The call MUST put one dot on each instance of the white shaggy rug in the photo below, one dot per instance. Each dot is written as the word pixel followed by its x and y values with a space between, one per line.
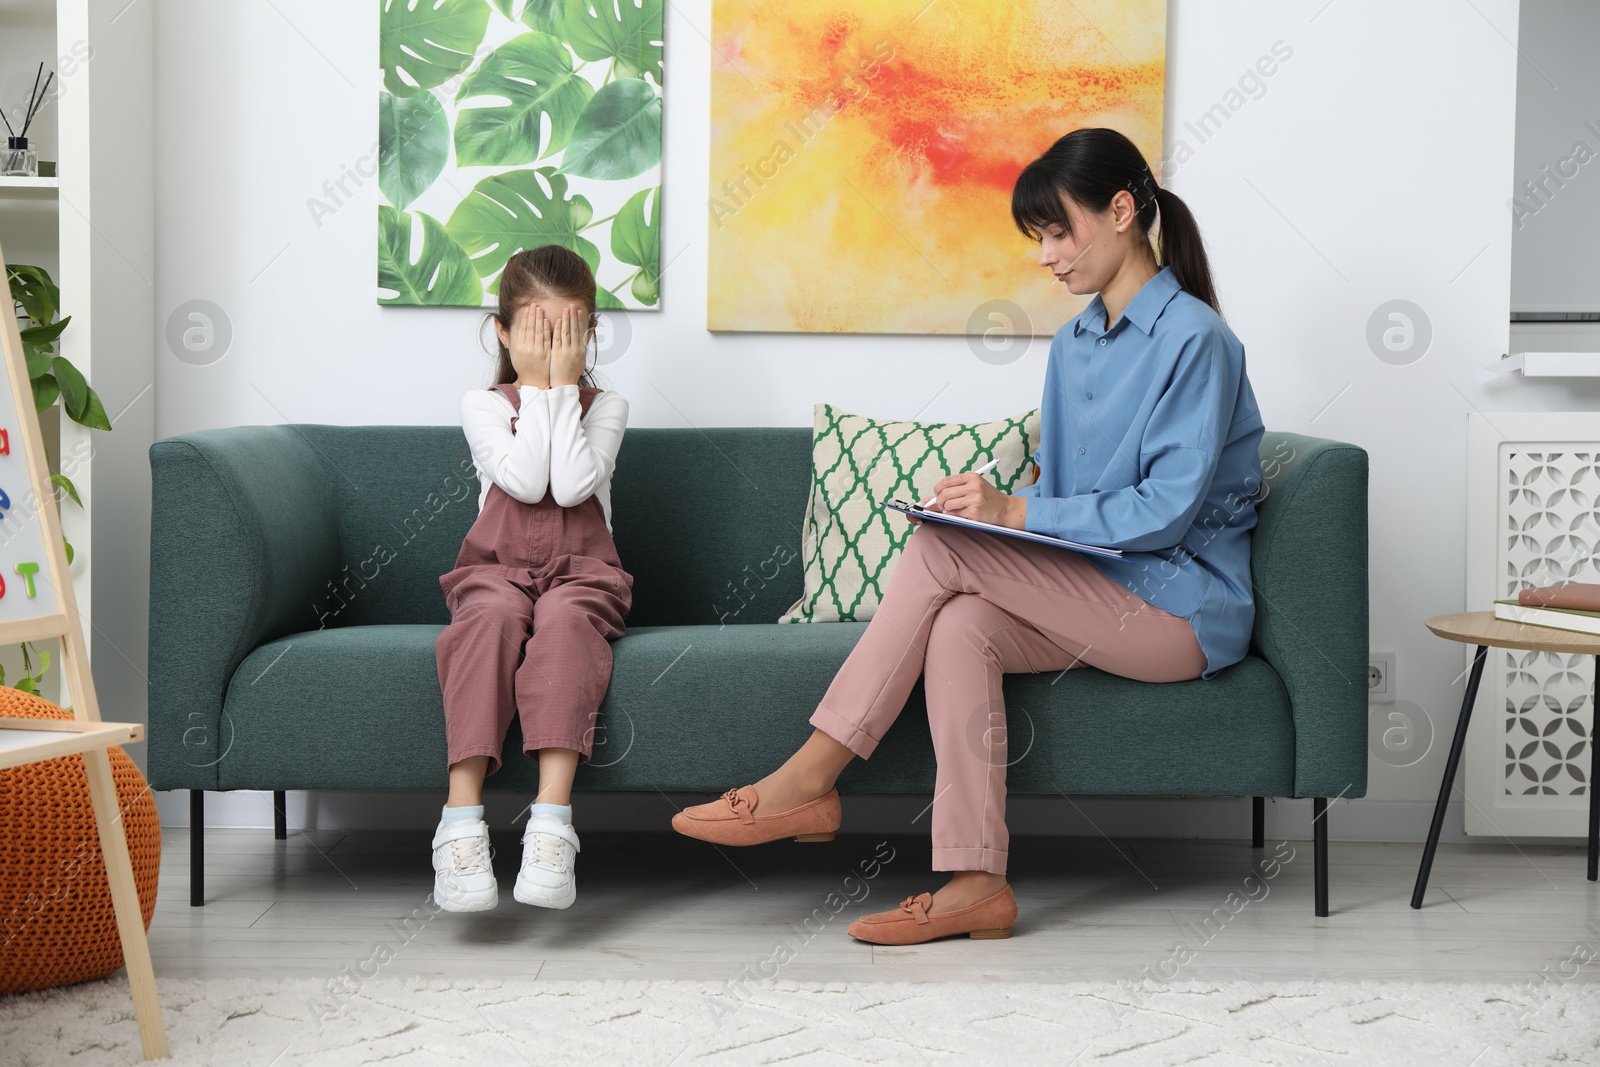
pixel 419 1021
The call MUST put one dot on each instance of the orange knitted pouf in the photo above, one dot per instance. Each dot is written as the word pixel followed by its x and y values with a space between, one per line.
pixel 57 926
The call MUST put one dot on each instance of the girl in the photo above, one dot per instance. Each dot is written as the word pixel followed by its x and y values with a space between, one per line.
pixel 1149 443
pixel 537 592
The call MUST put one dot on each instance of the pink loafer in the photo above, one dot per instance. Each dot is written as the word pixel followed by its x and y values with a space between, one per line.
pixel 910 924
pixel 735 819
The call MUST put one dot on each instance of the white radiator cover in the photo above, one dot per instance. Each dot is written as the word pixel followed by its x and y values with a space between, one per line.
pixel 1533 518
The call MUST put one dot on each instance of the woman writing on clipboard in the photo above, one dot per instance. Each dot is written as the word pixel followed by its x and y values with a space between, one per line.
pixel 1149 443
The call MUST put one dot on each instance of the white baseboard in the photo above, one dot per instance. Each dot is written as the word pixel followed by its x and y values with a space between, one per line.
pixel 1219 818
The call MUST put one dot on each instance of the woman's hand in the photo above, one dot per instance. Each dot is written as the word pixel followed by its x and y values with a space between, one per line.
pixel 529 342
pixel 569 346
pixel 968 496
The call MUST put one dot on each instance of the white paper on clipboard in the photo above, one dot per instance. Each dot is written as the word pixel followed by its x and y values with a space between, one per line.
pixel 918 511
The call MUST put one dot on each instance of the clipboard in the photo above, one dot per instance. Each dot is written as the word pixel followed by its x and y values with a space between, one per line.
pixel 919 512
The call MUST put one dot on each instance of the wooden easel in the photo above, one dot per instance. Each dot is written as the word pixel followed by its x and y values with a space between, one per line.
pixel 37 602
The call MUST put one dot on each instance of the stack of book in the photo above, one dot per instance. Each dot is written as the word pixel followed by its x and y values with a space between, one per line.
pixel 1572 606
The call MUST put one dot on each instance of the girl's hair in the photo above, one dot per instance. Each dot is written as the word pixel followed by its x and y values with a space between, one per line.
pixel 549 270
pixel 1091 166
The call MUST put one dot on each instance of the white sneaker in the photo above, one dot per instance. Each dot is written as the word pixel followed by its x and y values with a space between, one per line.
pixel 549 854
pixel 463 877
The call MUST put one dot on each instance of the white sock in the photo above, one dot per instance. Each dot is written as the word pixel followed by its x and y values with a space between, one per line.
pixel 462 814
pixel 560 811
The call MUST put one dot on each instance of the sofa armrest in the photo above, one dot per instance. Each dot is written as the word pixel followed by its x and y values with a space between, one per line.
pixel 243 539
pixel 1309 569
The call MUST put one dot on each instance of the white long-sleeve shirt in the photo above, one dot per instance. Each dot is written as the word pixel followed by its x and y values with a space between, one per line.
pixel 555 449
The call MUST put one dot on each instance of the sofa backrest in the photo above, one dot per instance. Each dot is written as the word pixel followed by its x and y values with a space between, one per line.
pixel 708 522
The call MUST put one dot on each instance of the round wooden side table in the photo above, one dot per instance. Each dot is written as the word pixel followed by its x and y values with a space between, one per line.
pixel 1482 629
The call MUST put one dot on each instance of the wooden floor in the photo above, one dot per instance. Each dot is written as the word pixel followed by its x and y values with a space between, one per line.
pixel 658 906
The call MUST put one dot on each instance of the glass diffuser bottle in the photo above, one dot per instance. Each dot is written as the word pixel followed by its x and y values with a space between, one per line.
pixel 19 160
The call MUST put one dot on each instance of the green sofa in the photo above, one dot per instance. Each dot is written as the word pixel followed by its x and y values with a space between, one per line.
pixel 295 601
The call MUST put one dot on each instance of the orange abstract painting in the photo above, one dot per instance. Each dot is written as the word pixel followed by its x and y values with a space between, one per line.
pixel 863 152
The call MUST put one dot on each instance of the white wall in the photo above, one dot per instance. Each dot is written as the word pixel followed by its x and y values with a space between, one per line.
pixel 1374 166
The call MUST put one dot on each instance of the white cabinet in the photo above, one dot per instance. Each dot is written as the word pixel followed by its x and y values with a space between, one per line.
pixel 1532 485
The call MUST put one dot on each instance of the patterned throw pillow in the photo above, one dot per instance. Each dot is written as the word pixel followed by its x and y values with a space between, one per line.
pixel 857 464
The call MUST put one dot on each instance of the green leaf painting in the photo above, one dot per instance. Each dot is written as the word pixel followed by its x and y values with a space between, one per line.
pixel 619 133
pixel 623 30
pixel 534 74
pixel 635 241
pixel 541 15
pixel 413 145
pixel 521 209
pixel 423 43
pixel 509 124
pixel 435 272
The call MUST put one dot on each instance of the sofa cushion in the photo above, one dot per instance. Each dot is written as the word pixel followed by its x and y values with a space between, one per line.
pixel 697 708
pixel 858 465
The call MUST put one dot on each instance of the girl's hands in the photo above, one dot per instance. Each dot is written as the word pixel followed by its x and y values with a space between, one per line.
pixel 969 496
pixel 529 342
pixel 547 352
pixel 569 346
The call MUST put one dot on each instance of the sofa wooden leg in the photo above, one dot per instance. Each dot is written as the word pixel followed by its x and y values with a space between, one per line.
pixel 280 815
pixel 197 848
pixel 1319 829
pixel 1258 822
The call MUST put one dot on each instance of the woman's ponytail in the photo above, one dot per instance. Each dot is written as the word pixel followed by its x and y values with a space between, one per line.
pixel 1091 166
pixel 1182 249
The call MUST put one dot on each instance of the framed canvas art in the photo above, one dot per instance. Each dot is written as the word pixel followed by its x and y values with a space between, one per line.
pixel 509 124
pixel 863 152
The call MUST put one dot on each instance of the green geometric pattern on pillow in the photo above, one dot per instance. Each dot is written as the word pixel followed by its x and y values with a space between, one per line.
pixel 858 464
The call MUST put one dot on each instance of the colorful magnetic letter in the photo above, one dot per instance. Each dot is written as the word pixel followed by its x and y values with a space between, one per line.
pixel 28 570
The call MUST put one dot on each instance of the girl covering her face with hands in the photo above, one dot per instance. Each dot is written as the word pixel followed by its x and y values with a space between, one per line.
pixel 537 593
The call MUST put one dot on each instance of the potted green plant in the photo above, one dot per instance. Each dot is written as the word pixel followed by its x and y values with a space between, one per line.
pixel 36 302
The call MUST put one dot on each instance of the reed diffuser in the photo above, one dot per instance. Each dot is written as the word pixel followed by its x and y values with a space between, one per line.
pixel 19 160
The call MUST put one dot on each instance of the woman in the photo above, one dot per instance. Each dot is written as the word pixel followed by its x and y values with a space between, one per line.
pixel 1149 443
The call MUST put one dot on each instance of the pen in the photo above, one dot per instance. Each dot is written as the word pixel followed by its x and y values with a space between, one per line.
pixel 985 469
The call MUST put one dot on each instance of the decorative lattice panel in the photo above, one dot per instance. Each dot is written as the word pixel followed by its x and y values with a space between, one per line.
pixel 1550 509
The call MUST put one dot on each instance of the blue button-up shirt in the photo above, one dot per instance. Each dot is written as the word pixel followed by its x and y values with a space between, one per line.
pixel 1149 442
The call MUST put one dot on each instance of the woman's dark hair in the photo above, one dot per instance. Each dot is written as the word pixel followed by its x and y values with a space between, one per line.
pixel 1091 166
pixel 549 270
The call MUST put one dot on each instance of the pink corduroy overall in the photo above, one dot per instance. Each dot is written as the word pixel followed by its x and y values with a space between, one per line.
pixel 536 597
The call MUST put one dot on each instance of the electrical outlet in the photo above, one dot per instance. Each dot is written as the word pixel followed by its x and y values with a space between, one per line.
pixel 1380 678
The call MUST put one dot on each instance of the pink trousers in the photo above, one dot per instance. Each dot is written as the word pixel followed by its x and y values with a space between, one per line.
pixel 962 609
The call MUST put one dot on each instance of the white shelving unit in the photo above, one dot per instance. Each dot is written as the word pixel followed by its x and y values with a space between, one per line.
pixel 29 189
pixel 1558 364
pixel 1544 365
pixel 99 130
